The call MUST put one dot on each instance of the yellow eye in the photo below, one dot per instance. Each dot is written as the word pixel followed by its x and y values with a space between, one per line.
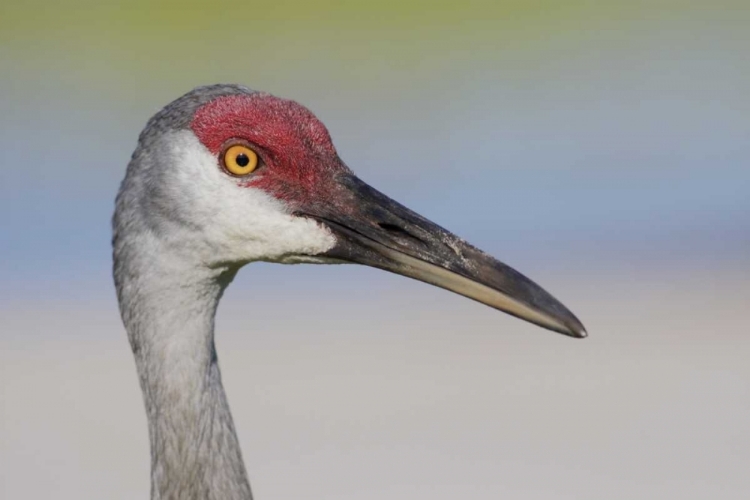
pixel 239 160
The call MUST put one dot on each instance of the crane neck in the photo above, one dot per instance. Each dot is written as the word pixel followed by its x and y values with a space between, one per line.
pixel 168 305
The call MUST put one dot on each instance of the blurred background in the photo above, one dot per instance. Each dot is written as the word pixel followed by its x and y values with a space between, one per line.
pixel 602 148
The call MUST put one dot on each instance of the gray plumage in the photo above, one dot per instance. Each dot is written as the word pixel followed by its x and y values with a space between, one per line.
pixel 168 302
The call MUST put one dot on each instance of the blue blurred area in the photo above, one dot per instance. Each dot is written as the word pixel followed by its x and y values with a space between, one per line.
pixel 587 164
pixel 624 144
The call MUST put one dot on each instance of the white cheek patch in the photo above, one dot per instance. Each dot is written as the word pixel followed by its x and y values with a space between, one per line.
pixel 237 223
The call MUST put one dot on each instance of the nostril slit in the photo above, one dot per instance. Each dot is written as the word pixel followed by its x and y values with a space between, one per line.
pixel 393 228
pixel 399 231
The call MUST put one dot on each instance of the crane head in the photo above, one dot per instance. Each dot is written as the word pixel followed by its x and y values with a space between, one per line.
pixel 230 176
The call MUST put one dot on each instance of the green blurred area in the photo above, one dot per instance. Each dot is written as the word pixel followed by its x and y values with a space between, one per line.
pixel 130 43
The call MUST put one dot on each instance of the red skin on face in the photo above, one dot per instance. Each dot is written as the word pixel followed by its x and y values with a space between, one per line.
pixel 300 160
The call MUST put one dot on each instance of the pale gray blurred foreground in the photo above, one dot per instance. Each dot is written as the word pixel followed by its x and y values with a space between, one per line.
pixel 408 392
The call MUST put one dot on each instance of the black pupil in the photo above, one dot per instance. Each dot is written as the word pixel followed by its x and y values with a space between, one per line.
pixel 242 160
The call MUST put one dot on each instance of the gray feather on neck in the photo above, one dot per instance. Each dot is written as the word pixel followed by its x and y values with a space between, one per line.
pixel 168 304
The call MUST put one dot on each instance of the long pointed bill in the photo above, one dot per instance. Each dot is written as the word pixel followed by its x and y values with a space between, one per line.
pixel 376 231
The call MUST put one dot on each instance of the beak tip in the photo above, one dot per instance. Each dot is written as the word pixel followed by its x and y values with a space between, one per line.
pixel 577 331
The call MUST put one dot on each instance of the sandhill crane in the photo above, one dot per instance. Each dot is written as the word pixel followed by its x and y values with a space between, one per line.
pixel 224 176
